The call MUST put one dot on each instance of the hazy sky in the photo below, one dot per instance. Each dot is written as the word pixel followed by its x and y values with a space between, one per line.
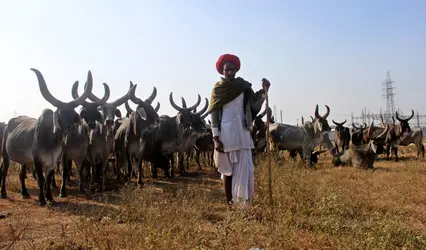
pixel 313 52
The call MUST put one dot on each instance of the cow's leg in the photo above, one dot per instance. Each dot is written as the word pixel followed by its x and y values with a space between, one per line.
pixel 54 186
pixel 49 196
pixel 172 164
pixel 395 152
pixel 197 159
pixel 38 167
pixel 139 164
pixel 180 162
pixel 336 146
pixel 5 168
pixel 93 176
pixel 120 160
pixel 22 176
pixel 33 172
pixel 188 156
pixel 388 150
pixel 65 172
pixel 81 178
pixel 129 168
pixel 422 151
pixel 104 182
pixel 307 156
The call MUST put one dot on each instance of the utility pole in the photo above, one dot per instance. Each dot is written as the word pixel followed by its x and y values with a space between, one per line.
pixel 281 116
pixel 388 94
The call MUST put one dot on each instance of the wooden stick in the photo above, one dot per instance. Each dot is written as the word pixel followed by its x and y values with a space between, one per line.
pixel 268 153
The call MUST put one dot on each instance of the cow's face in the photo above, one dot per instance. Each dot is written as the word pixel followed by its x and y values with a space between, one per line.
pixel 109 112
pixel 90 111
pixel 90 114
pixel 321 123
pixel 66 118
pixel 358 133
pixel 403 123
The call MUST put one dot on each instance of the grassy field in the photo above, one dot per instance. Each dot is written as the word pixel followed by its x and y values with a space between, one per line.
pixel 321 208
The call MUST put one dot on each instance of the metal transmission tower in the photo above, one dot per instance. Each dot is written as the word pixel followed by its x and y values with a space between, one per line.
pixel 274 111
pixel 388 94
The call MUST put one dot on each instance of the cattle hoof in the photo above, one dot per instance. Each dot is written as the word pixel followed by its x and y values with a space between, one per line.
pixel 41 203
pixel 25 195
pixel 4 196
pixel 51 203
pixel 63 195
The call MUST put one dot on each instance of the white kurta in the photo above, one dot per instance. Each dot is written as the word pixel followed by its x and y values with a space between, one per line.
pixel 237 144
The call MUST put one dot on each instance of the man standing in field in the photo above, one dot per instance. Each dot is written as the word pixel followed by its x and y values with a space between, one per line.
pixel 233 105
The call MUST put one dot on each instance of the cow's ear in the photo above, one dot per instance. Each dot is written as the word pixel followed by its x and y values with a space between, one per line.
pixel 118 113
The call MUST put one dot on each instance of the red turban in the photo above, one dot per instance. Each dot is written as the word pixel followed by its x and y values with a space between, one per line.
pixel 227 58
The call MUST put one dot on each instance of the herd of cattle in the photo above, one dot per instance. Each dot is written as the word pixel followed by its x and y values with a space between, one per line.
pixel 98 135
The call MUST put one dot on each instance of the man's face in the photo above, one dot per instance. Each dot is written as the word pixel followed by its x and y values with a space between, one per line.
pixel 229 70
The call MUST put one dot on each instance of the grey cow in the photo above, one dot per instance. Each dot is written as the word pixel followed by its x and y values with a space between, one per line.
pixel 409 135
pixel 191 140
pixel 77 144
pixel 168 135
pixel 305 138
pixel 343 136
pixel 129 133
pixel 101 138
pixel 362 155
pixel 39 141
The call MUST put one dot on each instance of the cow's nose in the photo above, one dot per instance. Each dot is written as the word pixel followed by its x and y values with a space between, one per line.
pixel 109 122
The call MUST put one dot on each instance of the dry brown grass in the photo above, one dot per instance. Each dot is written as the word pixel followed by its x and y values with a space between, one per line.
pixel 322 208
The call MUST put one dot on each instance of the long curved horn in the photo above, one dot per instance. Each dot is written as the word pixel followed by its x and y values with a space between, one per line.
pixel 261 115
pixel 151 98
pixel 205 115
pixel 303 120
pixel 203 109
pixel 316 112
pixel 381 119
pixel 312 118
pixel 99 102
pixel 327 113
pixel 132 96
pixel 353 125
pixel 124 98
pixel 157 107
pixel 370 131
pixel 383 133
pixel 393 120
pixel 338 123
pixel 365 126
pixel 412 114
pixel 183 103
pixel 87 90
pixel 128 108
pixel 74 91
pixel 196 104
pixel 45 91
pixel 179 109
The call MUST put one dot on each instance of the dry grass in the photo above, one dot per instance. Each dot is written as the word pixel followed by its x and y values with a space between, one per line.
pixel 322 208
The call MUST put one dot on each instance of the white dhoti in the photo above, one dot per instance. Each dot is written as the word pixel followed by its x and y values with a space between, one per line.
pixel 239 164
pixel 237 145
